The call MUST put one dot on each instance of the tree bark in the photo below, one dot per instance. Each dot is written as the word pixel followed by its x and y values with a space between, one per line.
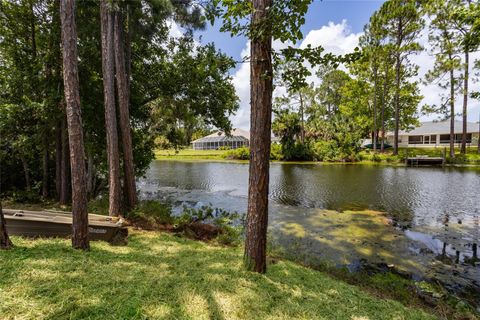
pixel 5 242
pixel 302 119
pixel 261 87
pixel 114 187
pixel 374 106
pixel 75 132
pixel 463 149
pixel 58 159
pixel 64 165
pixel 45 160
pixel 397 103
pixel 26 173
pixel 452 114
pixel 382 115
pixel 124 114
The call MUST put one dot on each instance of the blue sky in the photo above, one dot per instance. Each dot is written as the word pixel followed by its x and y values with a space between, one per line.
pixel 356 12
pixel 336 25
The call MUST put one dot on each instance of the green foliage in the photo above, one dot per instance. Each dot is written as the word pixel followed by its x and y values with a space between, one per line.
pixel 161 71
pixel 242 153
pixel 193 91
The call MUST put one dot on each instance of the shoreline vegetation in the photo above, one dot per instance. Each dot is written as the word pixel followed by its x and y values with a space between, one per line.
pixel 156 249
pixel 472 158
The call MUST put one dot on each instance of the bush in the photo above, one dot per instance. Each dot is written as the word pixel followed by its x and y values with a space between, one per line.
pixel 152 212
pixel 325 151
pixel 224 148
pixel 242 153
pixel 276 152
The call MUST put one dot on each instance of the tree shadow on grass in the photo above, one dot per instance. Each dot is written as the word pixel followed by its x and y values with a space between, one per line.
pixel 161 276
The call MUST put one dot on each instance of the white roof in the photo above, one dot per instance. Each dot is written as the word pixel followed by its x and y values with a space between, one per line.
pixel 438 127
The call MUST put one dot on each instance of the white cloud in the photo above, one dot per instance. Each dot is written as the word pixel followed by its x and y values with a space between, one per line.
pixel 335 38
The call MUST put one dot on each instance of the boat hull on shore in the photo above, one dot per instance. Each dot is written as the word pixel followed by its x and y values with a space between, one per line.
pixel 47 224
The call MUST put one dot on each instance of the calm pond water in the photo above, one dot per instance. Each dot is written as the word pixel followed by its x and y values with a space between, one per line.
pixel 430 226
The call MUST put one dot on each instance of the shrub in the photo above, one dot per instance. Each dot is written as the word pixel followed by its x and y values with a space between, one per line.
pixel 325 150
pixel 276 152
pixel 242 153
pixel 224 148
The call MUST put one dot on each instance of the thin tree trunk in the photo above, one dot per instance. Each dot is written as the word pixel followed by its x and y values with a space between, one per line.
pixel 452 114
pixel 397 103
pixel 64 165
pixel 375 107
pixel 261 87
pixel 463 149
pixel 5 242
pixel 45 159
pixel 302 119
pixel 75 132
pixel 58 159
pixel 382 115
pixel 114 187
pixel 90 175
pixel 26 173
pixel 124 114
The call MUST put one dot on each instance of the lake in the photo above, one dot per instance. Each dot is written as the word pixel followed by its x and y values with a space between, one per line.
pixel 424 221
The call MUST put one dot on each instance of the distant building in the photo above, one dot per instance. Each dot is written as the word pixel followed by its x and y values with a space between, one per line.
pixel 435 134
pixel 237 138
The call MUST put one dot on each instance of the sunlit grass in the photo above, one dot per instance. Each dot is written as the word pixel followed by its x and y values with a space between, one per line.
pixel 189 154
pixel 161 276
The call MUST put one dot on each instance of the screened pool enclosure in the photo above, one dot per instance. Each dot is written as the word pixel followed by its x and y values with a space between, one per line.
pixel 237 138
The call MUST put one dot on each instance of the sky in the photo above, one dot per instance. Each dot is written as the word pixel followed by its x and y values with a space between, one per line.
pixel 336 25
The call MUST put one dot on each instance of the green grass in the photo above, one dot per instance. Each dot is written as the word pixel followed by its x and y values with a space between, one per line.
pixel 366 157
pixel 161 276
pixel 471 157
pixel 189 154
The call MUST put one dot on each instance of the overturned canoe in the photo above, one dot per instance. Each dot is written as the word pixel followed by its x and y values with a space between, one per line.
pixel 59 224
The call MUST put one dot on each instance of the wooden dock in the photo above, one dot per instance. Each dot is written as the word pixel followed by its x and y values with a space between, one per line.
pixel 425 161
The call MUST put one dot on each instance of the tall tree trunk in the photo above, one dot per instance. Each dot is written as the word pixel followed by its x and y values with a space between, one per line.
pixel 65 181
pixel 261 87
pixel 124 114
pixel 463 149
pixel 45 160
pixel 114 187
pixel 382 115
pixel 26 173
pixel 58 159
pixel 75 131
pixel 452 114
pixel 375 107
pixel 397 102
pixel 302 119
pixel 5 242
pixel 90 175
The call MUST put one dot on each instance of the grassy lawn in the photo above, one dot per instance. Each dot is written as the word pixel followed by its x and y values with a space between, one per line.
pixel 189 154
pixel 159 275
pixel 471 157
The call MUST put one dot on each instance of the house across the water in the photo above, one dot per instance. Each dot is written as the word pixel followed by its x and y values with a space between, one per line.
pixel 435 134
pixel 236 139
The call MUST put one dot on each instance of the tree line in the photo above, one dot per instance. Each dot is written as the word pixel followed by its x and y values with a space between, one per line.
pixel 87 86
pixel 379 91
